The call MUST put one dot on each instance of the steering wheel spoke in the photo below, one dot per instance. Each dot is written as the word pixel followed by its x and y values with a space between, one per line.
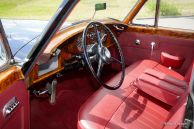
pixel 99 41
pixel 114 60
pixel 100 67
pixel 103 38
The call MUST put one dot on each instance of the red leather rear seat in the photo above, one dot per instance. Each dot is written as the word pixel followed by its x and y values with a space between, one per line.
pixel 126 107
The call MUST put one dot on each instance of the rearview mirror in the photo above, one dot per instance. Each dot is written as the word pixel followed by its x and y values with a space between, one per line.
pixel 100 6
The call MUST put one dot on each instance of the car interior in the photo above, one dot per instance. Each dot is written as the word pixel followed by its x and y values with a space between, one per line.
pixel 112 75
pixel 154 91
pixel 138 79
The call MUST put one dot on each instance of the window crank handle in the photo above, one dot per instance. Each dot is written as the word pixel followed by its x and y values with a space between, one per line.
pixel 153 44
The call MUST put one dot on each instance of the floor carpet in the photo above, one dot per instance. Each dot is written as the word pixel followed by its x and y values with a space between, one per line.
pixel 72 92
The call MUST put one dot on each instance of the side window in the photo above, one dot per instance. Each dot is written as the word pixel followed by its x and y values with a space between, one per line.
pixel 3 57
pixel 177 14
pixel 146 16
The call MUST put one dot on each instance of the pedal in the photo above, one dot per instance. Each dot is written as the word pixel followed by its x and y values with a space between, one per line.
pixel 40 92
pixel 52 90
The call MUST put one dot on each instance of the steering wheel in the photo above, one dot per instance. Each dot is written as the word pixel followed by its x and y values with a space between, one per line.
pixel 100 54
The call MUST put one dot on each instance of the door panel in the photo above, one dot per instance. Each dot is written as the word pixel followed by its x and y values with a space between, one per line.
pixel 176 43
pixel 12 86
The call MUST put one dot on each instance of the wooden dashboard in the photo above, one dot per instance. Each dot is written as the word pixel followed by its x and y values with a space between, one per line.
pixel 69 43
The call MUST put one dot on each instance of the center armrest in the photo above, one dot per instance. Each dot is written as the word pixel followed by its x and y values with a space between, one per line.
pixel 161 86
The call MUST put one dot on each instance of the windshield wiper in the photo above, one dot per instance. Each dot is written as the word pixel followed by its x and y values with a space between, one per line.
pixel 24 45
pixel 1 55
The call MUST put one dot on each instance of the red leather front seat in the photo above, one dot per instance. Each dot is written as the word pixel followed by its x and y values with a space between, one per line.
pixel 128 107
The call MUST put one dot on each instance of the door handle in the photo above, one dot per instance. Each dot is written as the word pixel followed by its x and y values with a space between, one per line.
pixel 10 106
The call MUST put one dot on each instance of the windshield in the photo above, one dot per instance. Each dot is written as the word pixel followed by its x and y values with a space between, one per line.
pixel 22 34
pixel 116 9
pixel 2 53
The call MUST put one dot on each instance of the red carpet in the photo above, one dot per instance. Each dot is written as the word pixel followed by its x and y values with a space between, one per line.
pixel 72 91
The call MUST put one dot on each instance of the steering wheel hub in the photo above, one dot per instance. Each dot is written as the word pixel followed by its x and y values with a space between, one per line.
pixel 105 54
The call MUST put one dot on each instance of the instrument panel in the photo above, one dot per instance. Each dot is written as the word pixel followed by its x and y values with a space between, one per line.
pixel 70 48
pixel 90 36
pixel 74 44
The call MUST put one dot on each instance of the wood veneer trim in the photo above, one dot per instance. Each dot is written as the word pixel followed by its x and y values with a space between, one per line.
pixel 9 76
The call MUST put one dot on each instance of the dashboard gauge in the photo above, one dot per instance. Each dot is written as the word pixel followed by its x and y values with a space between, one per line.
pixel 91 39
pixel 91 36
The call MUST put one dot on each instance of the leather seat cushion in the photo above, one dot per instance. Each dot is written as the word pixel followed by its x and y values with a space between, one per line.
pixel 126 107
